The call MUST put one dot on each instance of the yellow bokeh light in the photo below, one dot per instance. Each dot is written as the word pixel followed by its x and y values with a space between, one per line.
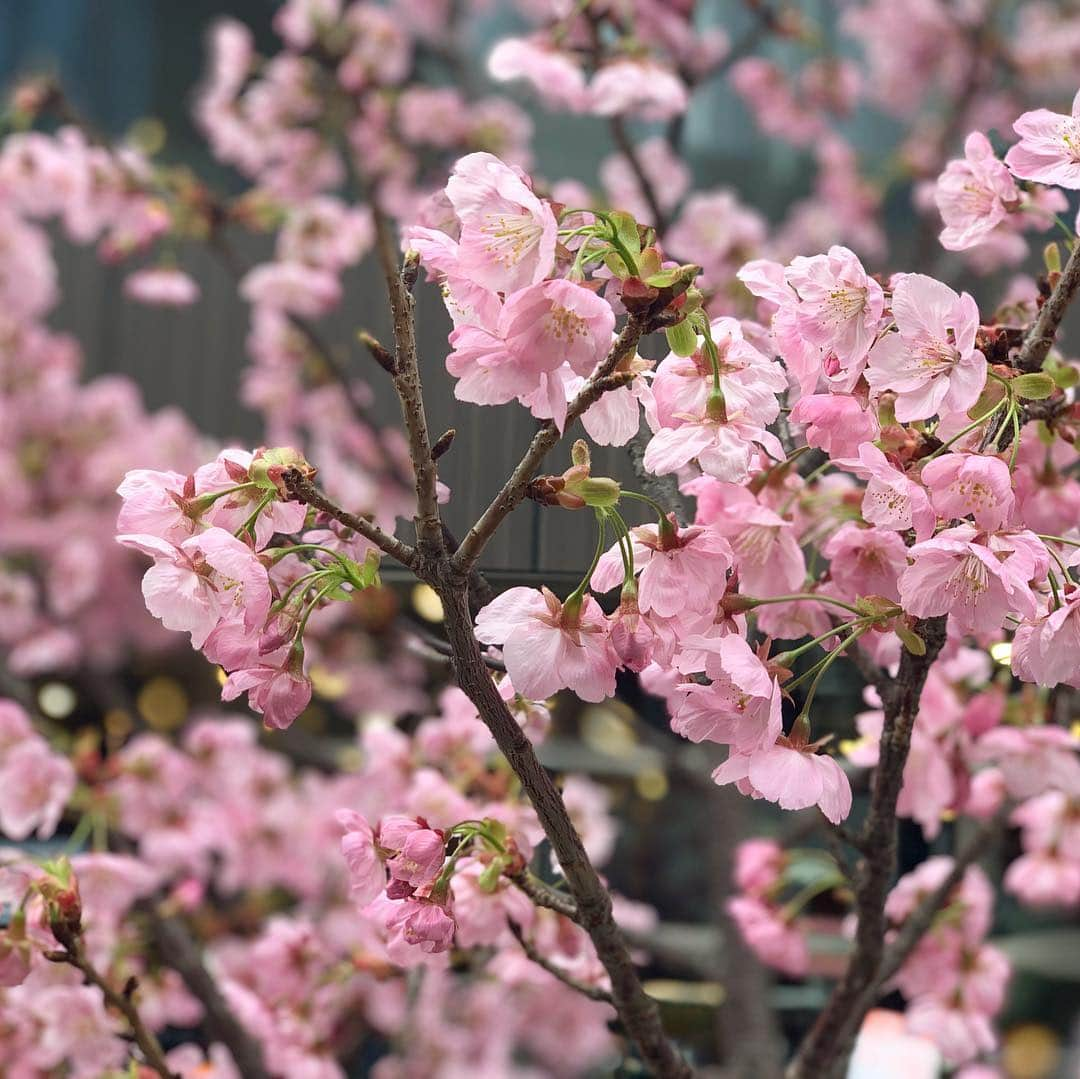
pixel 651 784
pixel 1001 652
pixel 426 603
pixel 57 700
pixel 604 730
pixel 162 703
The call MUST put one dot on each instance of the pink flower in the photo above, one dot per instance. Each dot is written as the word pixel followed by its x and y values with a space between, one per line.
pixel 758 865
pixel 420 859
pixel 508 235
pixel 278 693
pixel 722 446
pixel 161 286
pixel 292 287
pixel 641 87
pixel 556 76
pixel 35 785
pixel 793 777
pixel 865 561
pixel 421 923
pixel 974 195
pixel 773 938
pixel 193 586
pixel 540 328
pixel 976 581
pixel 970 483
pixel 367 876
pixel 961 1033
pixel 481 913
pixel 548 646
pixel 1044 878
pixel 835 423
pixel 1049 147
pixel 892 501
pixel 740 707
pixel 931 362
pixel 1047 651
pixel 839 309
pixel 678 569
pixel 768 557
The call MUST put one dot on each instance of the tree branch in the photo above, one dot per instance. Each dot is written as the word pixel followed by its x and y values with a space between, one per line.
pixel 74 955
pixel 1040 338
pixel 513 490
pixel 301 489
pixel 593 992
pixel 544 895
pixel 639 1013
pixel 825 1050
pixel 178 950
pixel 625 146
pixel 400 279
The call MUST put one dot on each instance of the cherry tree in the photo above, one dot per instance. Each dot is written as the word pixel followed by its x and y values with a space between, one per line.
pixel 840 457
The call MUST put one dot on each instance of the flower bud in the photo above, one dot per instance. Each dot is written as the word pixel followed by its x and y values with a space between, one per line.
pixel 269 466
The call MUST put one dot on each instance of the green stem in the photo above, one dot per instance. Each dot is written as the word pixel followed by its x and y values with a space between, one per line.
pixel 254 516
pixel 819 670
pixel 580 590
pixel 966 431
pixel 802 596
pixel 810 891
pixel 835 631
pixel 807 480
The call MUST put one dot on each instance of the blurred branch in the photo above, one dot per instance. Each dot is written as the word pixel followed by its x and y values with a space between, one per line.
pixel 593 992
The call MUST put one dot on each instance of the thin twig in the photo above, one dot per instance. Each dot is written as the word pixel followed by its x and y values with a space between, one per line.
pixel 544 895
pixel 626 147
pixel 546 437
pixel 400 278
pixel 301 489
pixel 593 992
pixel 123 1002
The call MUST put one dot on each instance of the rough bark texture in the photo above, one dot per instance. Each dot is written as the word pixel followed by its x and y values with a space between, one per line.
pixel 639 1013
pixel 1040 337
pixel 825 1051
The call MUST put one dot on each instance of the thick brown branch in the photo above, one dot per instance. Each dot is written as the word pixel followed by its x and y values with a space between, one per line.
pixel 639 1013
pixel 593 992
pixel 302 489
pixel 1040 337
pixel 513 490
pixel 178 950
pixel 123 1002
pixel 825 1050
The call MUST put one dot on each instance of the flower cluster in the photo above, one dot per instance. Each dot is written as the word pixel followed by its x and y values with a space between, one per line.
pixel 954 980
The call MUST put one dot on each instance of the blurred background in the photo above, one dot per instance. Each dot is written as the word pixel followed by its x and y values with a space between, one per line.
pixel 134 63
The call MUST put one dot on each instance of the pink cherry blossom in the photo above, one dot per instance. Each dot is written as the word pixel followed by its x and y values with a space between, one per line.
pixel 162 286
pixel 292 287
pixel 35 785
pixel 793 777
pixel 556 76
pixel 963 484
pixel 865 561
pixel 507 234
pixel 193 586
pixel 892 501
pixel 774 939
pixel 835 423
pixel 367 876
pixel 839 309
pixel 974 194
pixel 641 87
pixel 676 568
pixel 548 647
pixel 976 581
pixel 1047 651
pixel 1049 147
pixel 279 693
pixel 540 328
pixel 931 362
pixel 758 865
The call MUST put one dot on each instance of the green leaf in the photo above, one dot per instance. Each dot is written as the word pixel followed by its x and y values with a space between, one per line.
pixel 1052 258
pixel 1065 376
pixel 1033 387
pixel 912 641
pixel 681 338
pixel 626 229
